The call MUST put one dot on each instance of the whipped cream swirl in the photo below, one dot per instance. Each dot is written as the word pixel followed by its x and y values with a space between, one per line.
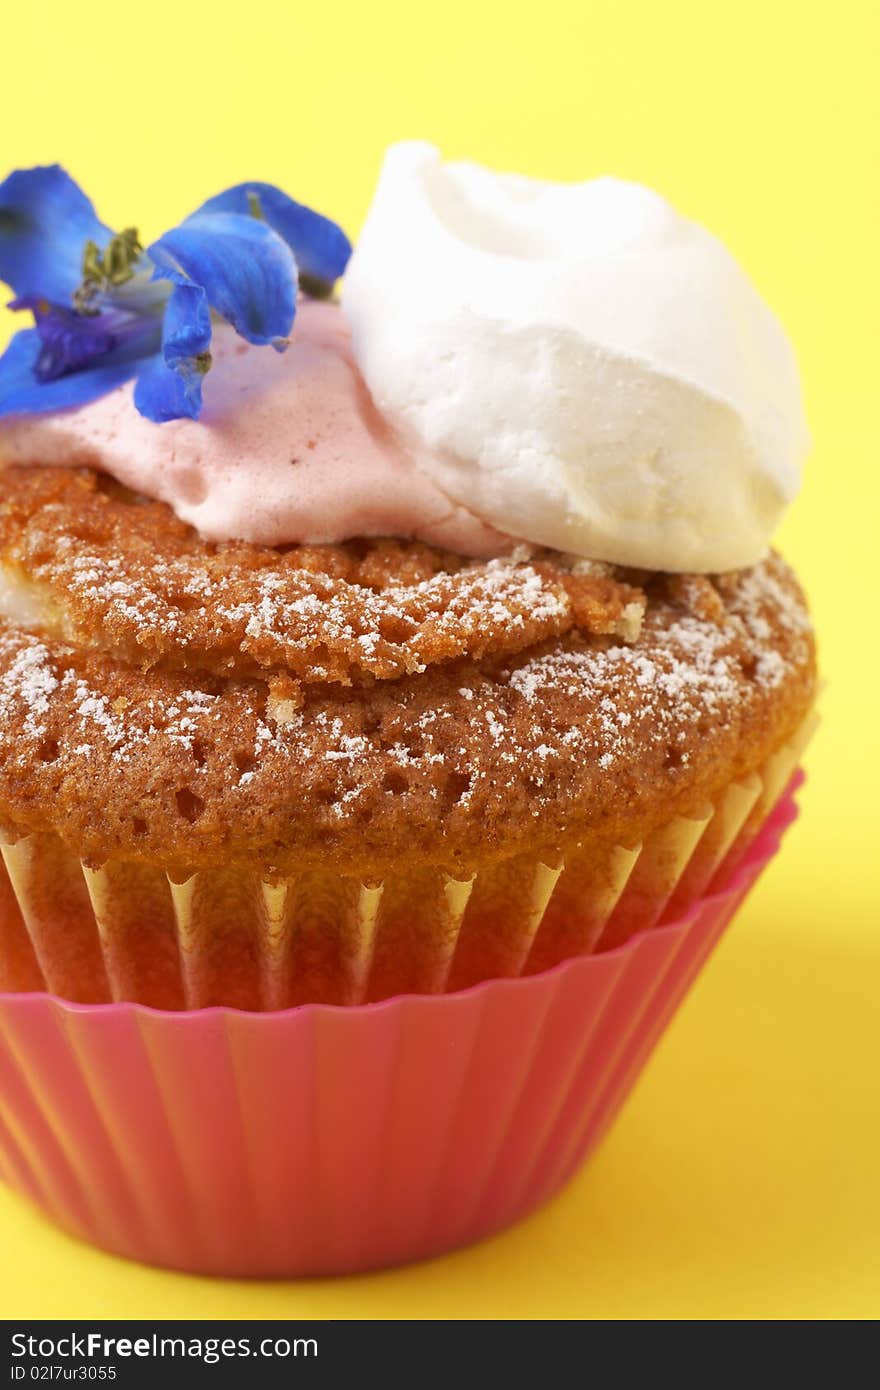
pixel 578 365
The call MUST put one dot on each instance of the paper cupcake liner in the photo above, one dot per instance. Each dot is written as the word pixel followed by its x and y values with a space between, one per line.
pixel 129 932
pixel 326 1140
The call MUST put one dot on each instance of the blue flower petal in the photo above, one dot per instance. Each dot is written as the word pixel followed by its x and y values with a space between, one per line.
pixel 22 394
pixel 70 340
pixel 170 387
pixel 164 393
pixel 223 257
pixel 322 249
pixel 247 272
pixel 45 221
pixel 186 331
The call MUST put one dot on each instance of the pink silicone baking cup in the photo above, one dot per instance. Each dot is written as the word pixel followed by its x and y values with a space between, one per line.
pixel 327 1140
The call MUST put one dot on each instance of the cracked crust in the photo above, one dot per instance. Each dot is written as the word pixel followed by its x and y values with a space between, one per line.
pixel 134 581
pixel 370 705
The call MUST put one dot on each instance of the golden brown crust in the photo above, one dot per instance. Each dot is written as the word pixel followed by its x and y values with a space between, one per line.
pixel 521 731
pixel 134 580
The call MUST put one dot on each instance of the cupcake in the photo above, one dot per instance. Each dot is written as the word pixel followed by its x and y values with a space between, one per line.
pixel 440 648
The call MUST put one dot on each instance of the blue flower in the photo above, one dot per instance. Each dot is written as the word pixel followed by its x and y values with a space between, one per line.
pixel 105 310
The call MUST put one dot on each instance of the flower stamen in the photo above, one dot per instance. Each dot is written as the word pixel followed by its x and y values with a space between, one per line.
pixel 107 269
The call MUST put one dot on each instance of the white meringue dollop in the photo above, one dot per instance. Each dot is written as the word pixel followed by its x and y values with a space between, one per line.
pixel 578 365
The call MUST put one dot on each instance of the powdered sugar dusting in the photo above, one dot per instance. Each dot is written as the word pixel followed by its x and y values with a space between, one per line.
pixel 280 618
pixel 31 682
pixel 566 719
pixel 124 579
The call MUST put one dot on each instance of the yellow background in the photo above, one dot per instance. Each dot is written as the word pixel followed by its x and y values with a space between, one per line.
pixel 742 1179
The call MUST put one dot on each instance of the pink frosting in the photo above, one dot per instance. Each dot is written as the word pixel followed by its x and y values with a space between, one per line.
pixel 289 448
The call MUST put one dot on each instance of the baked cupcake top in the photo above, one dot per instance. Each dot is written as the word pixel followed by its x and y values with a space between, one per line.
pixel 491 568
